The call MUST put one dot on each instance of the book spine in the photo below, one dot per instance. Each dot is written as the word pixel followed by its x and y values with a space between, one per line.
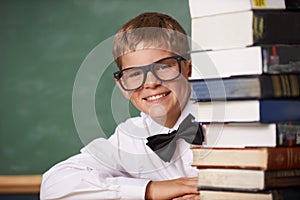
pixel 292 4
pixel 279 111
pixel 288 134
pixel 282 178
pixel 279 86
pixel 286 194
pixel 283 158
pixel 281 59
pixel 276 27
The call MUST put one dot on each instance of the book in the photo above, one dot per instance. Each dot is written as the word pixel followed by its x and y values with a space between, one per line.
pixel 288 134
pixel 201 8
pixel 240 135
pixel 292 4
pixel 247 179
pixel 263 111
pixel 263 158
pixel 246 28
pixel 275 194
pixel 266 86
pixel 263 59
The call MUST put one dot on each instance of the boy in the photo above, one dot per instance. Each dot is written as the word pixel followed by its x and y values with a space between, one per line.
pixel 151 51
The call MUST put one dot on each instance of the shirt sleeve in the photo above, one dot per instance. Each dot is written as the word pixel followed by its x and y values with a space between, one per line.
pixel 83 177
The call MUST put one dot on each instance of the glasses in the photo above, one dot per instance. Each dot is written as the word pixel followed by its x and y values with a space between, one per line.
pixel 166 69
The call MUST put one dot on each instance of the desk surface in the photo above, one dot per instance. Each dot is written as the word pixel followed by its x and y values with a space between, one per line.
pixel 23 184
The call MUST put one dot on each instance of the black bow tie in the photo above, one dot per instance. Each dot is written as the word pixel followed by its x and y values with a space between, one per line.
pixel 164 145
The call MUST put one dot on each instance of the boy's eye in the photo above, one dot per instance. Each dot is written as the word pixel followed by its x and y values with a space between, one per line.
pixel 134 74
pixel 162 67
pixel 165 66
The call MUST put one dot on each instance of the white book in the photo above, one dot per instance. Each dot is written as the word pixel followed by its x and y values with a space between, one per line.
pixel 245 28
pixel 225 63
pixel 263 111
pixel 246 179
pixel 255 60
pixel 240 135
pixel 201 8
pixel 224 31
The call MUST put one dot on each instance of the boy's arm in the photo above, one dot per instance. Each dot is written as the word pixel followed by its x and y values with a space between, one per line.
pixel 68 180
pixel 81 177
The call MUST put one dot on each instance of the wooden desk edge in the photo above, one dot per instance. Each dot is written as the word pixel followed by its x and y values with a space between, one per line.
pixel 20 184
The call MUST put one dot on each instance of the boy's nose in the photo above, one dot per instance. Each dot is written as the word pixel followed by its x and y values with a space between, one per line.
pixel 151 81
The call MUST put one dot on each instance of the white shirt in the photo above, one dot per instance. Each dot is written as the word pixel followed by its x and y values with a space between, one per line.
pixel 120 167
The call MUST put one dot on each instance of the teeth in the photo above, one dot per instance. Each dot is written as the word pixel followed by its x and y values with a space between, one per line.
pixel 156 97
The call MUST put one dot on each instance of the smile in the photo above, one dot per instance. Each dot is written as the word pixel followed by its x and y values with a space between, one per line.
pixel 156 97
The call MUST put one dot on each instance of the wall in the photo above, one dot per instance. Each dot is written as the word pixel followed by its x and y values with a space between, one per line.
pixel 43 44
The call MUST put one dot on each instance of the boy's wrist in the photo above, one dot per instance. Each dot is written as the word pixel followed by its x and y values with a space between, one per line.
pixel 148 192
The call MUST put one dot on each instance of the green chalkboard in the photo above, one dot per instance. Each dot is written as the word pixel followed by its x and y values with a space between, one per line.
pixel 42 46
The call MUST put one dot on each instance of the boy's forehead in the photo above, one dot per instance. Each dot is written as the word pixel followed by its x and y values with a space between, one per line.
pixel 144 56
pixel 144 47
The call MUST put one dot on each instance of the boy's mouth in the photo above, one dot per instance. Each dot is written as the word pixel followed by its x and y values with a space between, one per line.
pixel 156 97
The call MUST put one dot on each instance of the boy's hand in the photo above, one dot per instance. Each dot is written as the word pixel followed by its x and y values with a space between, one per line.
pixel 188 197
pixel 181 188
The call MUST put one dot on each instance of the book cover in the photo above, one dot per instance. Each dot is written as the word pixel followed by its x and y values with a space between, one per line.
pixel 266 86
pixel 263 59
pixel 247 28
pixel 263 111
pixel 263 158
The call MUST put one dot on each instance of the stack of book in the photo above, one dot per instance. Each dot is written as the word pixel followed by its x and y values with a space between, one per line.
pixel 246 84
pixel 248 173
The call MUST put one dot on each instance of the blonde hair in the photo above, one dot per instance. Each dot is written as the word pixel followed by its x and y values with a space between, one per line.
pixel 150 30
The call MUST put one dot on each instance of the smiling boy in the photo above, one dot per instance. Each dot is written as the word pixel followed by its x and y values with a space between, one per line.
pixel 151 52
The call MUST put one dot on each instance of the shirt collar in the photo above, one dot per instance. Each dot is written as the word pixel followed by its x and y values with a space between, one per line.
pixel 155 128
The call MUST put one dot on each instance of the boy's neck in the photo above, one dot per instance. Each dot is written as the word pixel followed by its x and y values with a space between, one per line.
pixel 169 123
pixel 170 119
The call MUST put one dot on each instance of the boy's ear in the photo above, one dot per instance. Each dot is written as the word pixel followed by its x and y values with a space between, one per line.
pixel 126 94
pixel 190 67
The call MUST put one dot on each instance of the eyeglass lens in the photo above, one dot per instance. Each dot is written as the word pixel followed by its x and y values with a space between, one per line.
pixel 163 70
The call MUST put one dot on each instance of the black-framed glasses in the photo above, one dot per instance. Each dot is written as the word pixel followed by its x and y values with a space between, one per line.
pixel 165 69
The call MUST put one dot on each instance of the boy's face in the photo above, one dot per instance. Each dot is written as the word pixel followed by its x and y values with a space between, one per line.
pixel 163 101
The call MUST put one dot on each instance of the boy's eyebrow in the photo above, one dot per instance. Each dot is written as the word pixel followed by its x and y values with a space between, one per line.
pixel 199 51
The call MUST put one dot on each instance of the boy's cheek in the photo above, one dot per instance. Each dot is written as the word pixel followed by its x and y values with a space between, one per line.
pixel 126 94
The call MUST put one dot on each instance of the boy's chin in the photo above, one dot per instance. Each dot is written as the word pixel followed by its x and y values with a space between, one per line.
pixel 158 112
